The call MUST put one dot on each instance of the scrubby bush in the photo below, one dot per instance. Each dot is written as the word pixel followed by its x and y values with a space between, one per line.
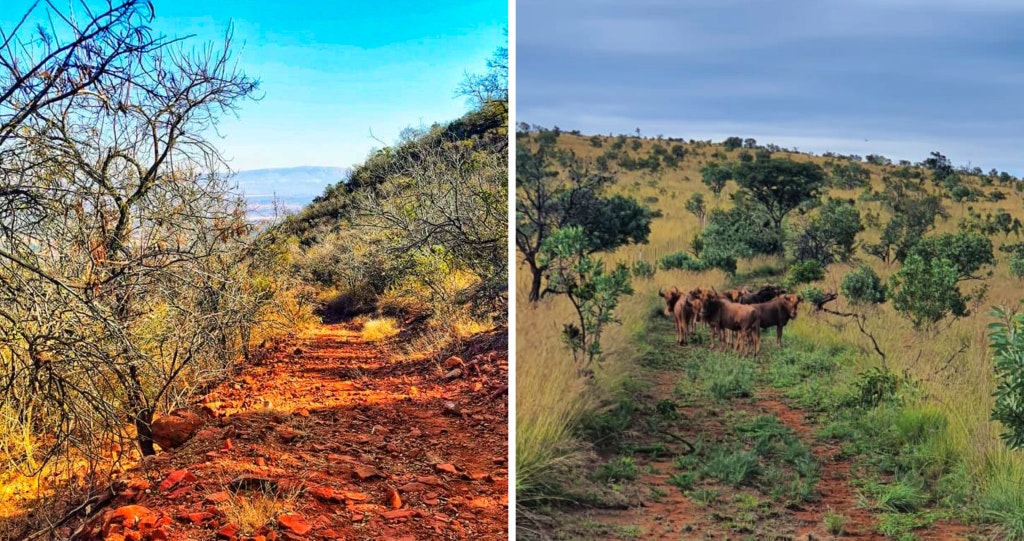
pixel 863 286
pixel 804 272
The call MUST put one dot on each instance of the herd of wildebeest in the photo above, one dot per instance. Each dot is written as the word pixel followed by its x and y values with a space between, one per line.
pixel 734 316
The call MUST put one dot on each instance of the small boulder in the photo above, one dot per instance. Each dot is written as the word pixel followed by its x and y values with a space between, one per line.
pixel 172 431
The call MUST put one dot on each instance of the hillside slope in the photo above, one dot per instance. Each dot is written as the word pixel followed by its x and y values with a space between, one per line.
pixel 860 383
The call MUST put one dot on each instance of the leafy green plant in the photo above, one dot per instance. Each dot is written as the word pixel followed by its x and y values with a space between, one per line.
pixel 618 469
pixel 593 291
pixel 830 234
pixel 642 269
pixel 863 286
pixel 734 467
pixel 1007 342
pixel 681 260
pixel 926 291
pixel 876 386
pixel 684 480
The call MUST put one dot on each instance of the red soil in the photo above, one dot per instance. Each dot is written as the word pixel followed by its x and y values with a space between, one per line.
pixel 350 443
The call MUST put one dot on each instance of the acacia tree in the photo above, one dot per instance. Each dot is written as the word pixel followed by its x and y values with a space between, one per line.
pixel 125 266
pixel 779 185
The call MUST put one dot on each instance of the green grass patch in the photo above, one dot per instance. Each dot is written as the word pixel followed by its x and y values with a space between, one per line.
pixel 684 481
pixel 621 468
pixel 734 378
pixel 732 465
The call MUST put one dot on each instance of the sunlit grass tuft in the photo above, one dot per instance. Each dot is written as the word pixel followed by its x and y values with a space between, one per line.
pixel 379 329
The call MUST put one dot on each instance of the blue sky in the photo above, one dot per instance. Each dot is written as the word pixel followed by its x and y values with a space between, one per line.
pixel 907 76
pixel 332 72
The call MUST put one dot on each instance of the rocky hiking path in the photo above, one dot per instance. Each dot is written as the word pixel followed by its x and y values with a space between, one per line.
pixel 329 437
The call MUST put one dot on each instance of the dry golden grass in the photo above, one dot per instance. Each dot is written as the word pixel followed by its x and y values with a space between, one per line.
pixel 380 328
pixel 550 394
pixel 252 511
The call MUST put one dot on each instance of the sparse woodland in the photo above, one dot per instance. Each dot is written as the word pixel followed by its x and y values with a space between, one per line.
pixel 130 278
pixel 889 362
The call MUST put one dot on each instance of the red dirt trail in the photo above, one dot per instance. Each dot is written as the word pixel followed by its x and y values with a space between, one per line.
pixel 343 439
pixel 665 517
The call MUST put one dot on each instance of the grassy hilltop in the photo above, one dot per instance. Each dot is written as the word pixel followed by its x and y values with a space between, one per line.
pixel 931 369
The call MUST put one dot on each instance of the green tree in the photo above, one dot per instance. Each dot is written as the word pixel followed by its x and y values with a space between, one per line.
pixel 926 288
pixel 1017 264
pixel 913 216
pixel 831 233
pixel 555 189
pixel 926 291
pixel 732 143
pixel 593 291
pixel 742 232
pixel 967 252
pixel 804 272
pixel 715 175
pixel 779 185
pixel 695 205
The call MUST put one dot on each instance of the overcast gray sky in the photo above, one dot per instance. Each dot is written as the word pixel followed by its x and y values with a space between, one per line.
pixel 896 77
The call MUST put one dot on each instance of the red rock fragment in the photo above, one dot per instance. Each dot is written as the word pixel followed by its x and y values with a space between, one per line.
pixel 393 499
pixel 227 531
pixel 286 434
pixel 218 497
pixel 398 514
pixel 365 472
pixel 199 518
pixel 413 487
pixel 447 468
pixel 326 494
pixel 261 462
pixel 180 492
pixel 175 478
pixel 295 522
pixel 357 496
pixel 453 362
pixel 428 480
pixel 129 516
pixel 139 484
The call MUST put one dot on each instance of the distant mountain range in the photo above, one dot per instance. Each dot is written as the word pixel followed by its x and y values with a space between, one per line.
pixel 292 187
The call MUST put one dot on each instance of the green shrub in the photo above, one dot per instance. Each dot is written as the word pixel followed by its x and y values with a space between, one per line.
pixel 863 286
pixel 642 269
pixel 681 260
pixel 804 272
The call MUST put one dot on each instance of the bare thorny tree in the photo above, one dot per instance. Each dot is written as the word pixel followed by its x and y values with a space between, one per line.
pixel 125 260
pixel 442 208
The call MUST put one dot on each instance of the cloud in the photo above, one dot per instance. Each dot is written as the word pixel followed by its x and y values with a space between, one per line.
pixel 908 75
